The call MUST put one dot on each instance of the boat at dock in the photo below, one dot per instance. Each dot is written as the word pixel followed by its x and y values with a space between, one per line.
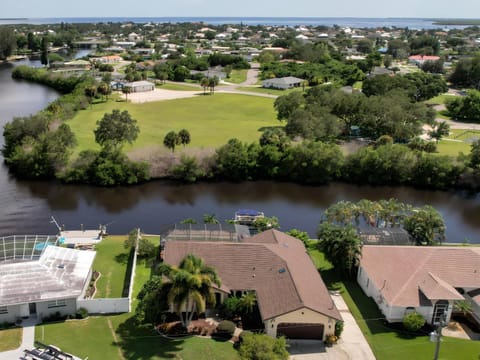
pixel 247 216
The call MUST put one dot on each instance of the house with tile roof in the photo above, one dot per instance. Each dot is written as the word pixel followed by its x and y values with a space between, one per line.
pixel 428 280
pixel 291 296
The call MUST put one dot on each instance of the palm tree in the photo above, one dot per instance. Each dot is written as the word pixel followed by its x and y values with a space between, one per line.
pixel 204 83
pixel 189 286
pixel 247 302
pixel 210 219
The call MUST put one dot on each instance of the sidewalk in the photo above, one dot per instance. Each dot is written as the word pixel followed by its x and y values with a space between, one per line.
pixel 28 339
pixel 352 340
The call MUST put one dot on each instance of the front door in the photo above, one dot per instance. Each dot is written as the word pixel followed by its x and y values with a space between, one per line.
pixel 440 311
pixel 33 308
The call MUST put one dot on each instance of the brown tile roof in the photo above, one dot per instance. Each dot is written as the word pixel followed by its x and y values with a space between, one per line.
pixel 399 271
pixel 272 263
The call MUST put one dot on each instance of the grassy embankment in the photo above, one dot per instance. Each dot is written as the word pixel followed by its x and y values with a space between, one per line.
pixel 211 120
pixel 117 336
pixel 387 342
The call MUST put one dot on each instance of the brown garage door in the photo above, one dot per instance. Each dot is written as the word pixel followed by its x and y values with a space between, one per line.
pixel 300 331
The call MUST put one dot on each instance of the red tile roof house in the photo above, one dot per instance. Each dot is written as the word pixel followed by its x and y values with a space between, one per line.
pixel 420 59
pixel 428 280
pixel 291 296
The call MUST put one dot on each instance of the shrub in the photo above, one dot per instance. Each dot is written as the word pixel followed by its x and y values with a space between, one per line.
pixel 331 339
pixel 413 321
pixel 225 329
pixel 81 313
pixel 261 346
pixel 339 328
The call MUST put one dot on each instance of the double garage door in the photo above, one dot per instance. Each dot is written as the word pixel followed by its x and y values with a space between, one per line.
pixel 300 331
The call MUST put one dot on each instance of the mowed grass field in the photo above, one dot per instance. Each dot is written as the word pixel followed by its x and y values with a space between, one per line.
pixel 211 120
pixel 457 141
pixel 10 339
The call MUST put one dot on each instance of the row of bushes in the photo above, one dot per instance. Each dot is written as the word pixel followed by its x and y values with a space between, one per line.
pixel 321 163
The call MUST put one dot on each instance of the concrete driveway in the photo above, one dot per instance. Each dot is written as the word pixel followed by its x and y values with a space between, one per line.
pixel 352 344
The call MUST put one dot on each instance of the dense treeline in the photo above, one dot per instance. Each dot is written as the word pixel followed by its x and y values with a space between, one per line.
pixel 58 82
pixel 313 162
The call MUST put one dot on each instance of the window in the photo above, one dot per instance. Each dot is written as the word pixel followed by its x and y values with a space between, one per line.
pixel 3 310
pixel 440 310
pixel 56 303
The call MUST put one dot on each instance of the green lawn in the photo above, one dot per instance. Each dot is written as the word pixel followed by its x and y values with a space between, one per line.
pixel 179 87
pixel 387 342
pixel 118 337
pixel 237 76
pixel 111 261
pixel 10 339
pixel 211 120
pixel 457 141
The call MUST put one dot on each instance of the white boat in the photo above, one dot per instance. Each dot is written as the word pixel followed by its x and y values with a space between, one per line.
pixel 247 216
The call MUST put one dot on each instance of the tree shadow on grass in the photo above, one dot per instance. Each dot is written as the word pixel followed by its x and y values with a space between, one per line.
pixel 264 128
pixel 122 258
pixel 142 343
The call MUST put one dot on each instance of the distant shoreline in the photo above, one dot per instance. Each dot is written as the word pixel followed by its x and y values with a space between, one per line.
pixel 464 22
pixel 354 22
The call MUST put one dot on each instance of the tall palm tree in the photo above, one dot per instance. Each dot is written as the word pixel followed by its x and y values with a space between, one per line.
pixel 189 286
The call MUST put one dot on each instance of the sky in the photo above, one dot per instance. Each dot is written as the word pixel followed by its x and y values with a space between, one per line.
pixel 242 8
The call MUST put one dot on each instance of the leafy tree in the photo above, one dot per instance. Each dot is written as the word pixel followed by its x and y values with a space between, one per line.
pixel 44 51
pixel 8 42
pixel 184 137
pixel 266 223
pixel 189 286
pixel 467 73
pixel 105 89
pixel 286 105
pixel 365 46
pixel 276 137
pixel 232 161
pixel 426 226
pixel 475 155
pixel 171 140
pixel 188 221
pixel 341 245
pixel 116 128
pixel 152 303
pixel 465 108
pixel 262 347
pixel 145 248
pixel 387 61
pixel 188 170
pixel 300 235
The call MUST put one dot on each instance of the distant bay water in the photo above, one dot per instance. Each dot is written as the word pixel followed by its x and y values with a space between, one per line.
pixel 411 23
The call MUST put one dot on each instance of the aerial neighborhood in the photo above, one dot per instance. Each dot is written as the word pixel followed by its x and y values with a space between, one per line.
pixel 144 103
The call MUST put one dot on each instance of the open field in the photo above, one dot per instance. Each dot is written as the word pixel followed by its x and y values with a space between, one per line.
pixel 111 261
pixel 389 343
pixel 211 120
pixel 10 339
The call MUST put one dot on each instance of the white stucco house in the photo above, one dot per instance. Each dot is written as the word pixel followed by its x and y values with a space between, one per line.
pixel 284 83
pixel 291 296
pixel 40 285
pixel 140 86
pixel 428 280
